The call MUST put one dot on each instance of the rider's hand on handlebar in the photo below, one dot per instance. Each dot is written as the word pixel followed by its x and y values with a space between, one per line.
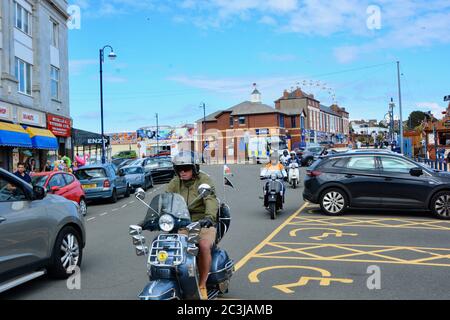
pixel 206 223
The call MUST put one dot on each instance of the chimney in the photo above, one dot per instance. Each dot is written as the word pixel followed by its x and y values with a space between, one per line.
pixel 285 94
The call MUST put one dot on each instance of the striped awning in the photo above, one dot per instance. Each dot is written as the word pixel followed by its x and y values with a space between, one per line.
pixel 42 138
pixel 13 135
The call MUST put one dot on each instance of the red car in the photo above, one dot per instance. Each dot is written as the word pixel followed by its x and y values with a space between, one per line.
pixel 62 184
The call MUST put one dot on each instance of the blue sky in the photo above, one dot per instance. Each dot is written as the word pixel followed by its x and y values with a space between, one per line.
pixel 175 54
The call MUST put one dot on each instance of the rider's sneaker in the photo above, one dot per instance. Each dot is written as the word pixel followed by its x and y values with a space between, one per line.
pixel 204 293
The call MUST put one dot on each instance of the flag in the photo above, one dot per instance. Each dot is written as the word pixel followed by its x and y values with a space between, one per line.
pixel 227 171
pixel 227 182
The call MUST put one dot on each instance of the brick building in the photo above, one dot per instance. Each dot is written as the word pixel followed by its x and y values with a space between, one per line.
pixel 252 129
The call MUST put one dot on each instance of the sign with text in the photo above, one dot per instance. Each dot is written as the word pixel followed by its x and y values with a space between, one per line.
pixel 59 126
pixel 32 117
pixel 5 112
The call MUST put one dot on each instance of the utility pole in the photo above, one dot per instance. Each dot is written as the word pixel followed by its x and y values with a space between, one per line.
pixel 400 106
pixel 157 134
pixel 203 105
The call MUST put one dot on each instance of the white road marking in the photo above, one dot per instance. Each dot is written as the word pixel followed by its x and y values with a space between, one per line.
pixel 113 210
pixel 90 219
pixel 124 206
pixel 103 214
pixel 131 202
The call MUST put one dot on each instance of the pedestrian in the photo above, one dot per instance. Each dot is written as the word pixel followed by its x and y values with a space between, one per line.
pixel 48 166
pixel 21 172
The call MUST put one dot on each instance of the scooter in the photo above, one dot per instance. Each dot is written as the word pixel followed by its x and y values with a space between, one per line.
pixel 274 191
pixel 294 174
pixel 172 257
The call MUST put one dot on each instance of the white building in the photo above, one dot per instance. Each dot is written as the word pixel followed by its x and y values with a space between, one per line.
pixel 34 85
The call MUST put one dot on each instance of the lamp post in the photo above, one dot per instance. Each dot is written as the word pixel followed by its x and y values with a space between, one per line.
pixel 111 56
pixel 157 135
pixel 203 105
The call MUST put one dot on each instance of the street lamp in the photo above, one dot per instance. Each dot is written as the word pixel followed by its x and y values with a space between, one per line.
pixel 111 56
pixel 203 105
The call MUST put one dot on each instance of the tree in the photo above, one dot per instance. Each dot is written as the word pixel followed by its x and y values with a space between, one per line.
pixel 416 118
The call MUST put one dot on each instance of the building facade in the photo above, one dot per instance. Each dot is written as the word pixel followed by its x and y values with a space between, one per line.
pixel 34 81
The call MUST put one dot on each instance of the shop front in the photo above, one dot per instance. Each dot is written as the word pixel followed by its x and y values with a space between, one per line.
pixel 88 145
pixel 25 141
pixel 61 128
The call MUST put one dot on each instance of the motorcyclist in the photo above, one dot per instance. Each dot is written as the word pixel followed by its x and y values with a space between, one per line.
pixel 293 159
pixel 285 157
pixel 204 210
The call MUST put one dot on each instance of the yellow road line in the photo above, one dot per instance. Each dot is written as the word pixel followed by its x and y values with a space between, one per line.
pixel 249 255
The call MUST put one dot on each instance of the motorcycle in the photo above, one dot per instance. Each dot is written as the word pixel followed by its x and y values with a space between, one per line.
pixel 172 258
pixel 274 190
pixel 294 174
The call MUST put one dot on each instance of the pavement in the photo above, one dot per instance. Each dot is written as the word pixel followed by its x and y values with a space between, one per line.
pixel 366 254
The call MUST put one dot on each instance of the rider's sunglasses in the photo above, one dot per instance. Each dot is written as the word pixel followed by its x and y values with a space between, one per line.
pixel 183 168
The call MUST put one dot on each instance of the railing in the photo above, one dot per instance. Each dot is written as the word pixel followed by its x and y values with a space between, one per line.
pixel 439 164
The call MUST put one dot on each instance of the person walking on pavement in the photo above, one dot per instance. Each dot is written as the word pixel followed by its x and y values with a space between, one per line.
pixel 21 173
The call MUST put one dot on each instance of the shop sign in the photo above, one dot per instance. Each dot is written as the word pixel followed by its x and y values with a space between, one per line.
pixel 5 112
pixel 31 117
pixel 59 126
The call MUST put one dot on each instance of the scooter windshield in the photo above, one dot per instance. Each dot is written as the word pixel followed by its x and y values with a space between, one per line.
pixel 267 173
pixel 167 203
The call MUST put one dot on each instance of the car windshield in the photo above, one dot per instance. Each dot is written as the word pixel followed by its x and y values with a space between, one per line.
pixel 39 180
pixel 133 170
pixel 87 174
pixel 167 203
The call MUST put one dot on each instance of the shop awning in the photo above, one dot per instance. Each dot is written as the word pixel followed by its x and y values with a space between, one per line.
pixel 42 139
pixel 13 135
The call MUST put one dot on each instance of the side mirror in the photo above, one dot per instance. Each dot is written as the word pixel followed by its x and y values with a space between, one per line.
pixel 135 230
pixel 39 193
pixel 138 240
pixel 55 189
pixel 121 173
pixel 140 194
pixel 204 190
pixel 416 172
pixel 193 251
pixel 141 250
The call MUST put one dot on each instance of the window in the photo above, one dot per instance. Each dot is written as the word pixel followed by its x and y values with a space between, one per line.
pixel 293 122
pixel 54 78
pixel 23 75
pixel 69 179
pixel 302 122
pixel 22 19
pixel 362 163
pixel 54 33
pixel 56 181
pixel 241 120
pixel 10 192
pixel 281 120
pixel 231 121
pixel 396 165
pixel 90 174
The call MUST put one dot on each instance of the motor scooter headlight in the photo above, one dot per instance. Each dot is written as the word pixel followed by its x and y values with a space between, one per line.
pixel 166 223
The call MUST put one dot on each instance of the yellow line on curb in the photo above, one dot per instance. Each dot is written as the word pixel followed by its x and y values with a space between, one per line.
pixel 252 253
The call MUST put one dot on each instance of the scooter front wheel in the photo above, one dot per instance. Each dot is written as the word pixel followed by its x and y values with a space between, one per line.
pixel 273 210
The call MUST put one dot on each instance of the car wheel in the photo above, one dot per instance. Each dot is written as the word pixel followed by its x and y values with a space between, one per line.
pixel 440 205
pixel 67 253
pixel 128 192
pixel 83 207
pixel 333 202
pixel 113 198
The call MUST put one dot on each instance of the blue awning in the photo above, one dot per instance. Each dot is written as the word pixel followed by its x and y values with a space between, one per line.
pixel 13 135
pixel 42 139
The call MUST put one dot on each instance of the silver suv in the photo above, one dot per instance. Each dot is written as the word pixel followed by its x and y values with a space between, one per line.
pixel 39 233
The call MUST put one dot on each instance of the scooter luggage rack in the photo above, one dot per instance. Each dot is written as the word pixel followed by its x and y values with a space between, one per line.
pixel 168 243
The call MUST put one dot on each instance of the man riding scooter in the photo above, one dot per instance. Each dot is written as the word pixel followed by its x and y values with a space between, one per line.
pixel 203 210
pixel 292 167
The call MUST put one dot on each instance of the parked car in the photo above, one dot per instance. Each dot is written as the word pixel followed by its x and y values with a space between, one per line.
pixel 310 154
pixel 376 180
pixel 62 184
pixel 137 177
pixel 102 181
pixel 125 155
pixel 161 170
pixel 39 233
pixel 119 163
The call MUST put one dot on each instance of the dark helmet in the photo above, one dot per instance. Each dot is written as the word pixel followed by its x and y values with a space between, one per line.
pixel 285 153
pixel 186 158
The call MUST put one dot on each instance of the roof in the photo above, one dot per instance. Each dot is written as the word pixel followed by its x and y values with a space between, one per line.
pixel 328 110
pixel 243 108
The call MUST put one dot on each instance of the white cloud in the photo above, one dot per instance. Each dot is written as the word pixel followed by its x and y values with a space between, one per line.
pixel 435 108
pixel 76 67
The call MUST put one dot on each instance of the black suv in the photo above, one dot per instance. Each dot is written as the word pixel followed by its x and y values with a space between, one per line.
pixel 376 180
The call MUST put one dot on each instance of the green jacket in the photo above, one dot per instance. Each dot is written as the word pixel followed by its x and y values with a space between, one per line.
pixel 201 208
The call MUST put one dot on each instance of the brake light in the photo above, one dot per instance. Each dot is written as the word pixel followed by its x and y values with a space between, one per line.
pixel 313 173
pixel 106 184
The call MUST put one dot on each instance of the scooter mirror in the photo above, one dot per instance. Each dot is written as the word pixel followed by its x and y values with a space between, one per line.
pixel 194 228
pixel 135 230
pixel 141 250
pixel 194 238
pixel 204 190
pixel 138 240
pixel 140 194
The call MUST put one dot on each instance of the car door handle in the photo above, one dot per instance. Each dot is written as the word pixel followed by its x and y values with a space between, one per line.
pixel 2 219
pixel 349 176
